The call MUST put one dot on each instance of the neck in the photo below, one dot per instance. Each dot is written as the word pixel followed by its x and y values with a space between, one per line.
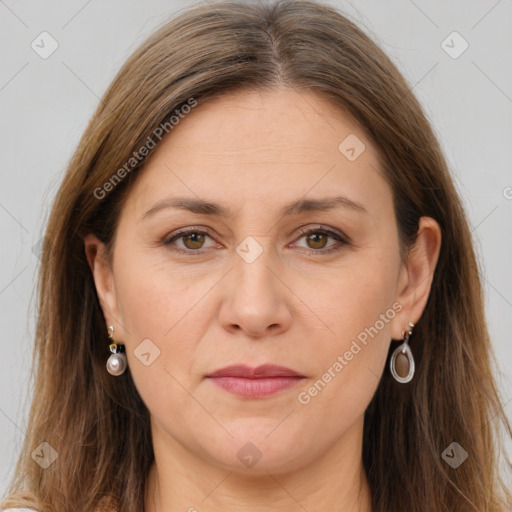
pixel 181 481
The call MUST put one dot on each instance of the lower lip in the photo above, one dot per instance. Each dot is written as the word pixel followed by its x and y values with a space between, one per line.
pixel 255 388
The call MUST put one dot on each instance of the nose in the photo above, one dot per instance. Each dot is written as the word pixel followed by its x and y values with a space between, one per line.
pixel 257 301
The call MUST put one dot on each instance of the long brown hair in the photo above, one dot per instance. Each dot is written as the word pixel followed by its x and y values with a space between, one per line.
pixel 99 426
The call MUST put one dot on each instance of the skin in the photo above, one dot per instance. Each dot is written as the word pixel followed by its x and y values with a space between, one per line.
pixel 254 152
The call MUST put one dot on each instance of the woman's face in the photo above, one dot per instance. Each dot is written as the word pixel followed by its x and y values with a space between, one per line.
pixel 249 286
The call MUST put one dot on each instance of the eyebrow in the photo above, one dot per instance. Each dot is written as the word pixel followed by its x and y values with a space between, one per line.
pixel 202 207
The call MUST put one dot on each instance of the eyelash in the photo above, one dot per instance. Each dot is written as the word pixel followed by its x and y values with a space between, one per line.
pixel 316 252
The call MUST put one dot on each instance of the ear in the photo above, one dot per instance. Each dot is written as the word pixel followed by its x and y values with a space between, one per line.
pixel 416 276
pixel 103 276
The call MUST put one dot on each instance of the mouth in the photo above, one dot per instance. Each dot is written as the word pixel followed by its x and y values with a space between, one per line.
pixel 260 382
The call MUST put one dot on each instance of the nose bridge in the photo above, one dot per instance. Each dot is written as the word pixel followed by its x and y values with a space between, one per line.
pixel 252 268
pixel 256 302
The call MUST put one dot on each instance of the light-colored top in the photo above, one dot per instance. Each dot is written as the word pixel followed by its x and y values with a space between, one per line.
pixel 18 510
pixel 24 509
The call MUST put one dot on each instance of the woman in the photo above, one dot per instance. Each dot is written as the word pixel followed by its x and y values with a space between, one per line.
pixel 202 345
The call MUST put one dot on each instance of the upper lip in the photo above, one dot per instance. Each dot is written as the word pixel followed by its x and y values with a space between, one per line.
pixel 265 370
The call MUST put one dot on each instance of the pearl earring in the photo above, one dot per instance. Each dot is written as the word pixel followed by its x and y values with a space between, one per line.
pixel 117 363
pixel 402 360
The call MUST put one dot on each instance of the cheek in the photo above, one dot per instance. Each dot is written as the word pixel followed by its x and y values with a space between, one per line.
pixel 160 313
pixel 355 297
pixel 350 357
pixel 154 296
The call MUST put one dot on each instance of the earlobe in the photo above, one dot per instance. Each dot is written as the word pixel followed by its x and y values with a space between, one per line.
pixel 101 270
pixel 417 274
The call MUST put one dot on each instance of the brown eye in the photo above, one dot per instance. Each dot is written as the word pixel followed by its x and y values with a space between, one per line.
pixel 190 241
pixel 317 240
pixel 193 240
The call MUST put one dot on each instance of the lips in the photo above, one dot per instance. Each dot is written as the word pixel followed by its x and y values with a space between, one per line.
pixel 266 370
pixel 257 382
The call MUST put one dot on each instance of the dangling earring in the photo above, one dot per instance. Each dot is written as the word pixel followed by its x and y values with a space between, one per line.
pixel 116 364
pixel 402 360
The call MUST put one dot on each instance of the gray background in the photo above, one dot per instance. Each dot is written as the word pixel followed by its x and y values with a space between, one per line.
pixel 46 104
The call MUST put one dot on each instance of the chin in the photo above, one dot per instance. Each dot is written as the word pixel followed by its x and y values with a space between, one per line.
pixel 259 450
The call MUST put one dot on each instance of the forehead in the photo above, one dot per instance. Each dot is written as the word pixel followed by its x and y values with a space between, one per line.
pixel 253 124
pixel 262 147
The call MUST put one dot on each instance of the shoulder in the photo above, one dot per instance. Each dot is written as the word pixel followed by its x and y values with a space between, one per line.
pixel 23 509
pixel 19 510
pixel 105 506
